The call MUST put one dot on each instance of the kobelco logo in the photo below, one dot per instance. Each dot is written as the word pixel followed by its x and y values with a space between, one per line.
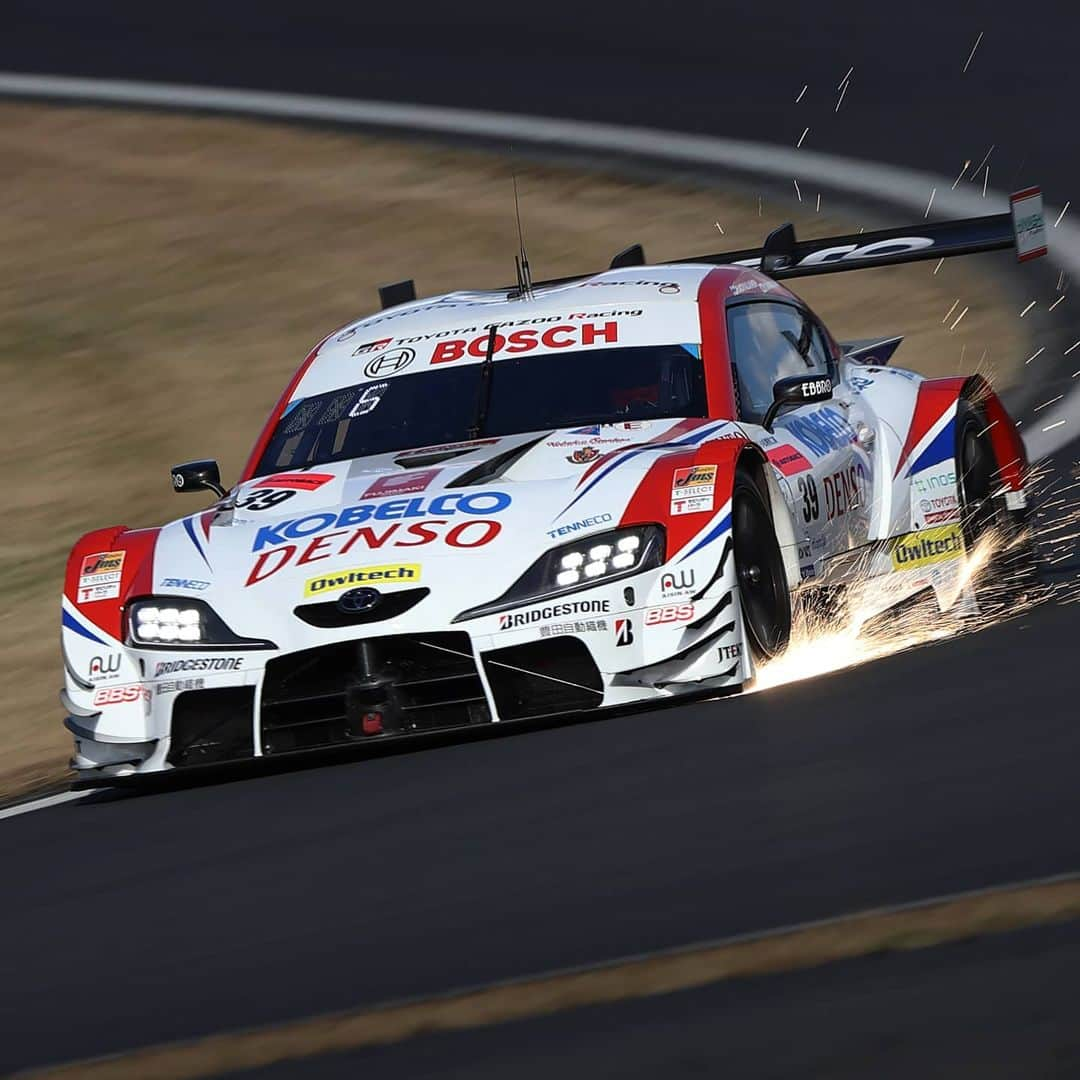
pixel 388 363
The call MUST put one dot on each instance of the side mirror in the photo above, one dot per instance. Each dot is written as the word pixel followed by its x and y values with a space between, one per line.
pixel 197 476
pixel 797 390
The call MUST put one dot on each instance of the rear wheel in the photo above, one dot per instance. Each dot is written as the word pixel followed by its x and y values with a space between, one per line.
pixel 759 568
pixel 1011 572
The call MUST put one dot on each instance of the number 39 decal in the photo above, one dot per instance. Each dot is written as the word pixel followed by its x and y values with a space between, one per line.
pixel 811 506
pixel 264 498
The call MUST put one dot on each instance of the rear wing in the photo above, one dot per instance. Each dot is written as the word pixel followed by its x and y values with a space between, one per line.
pixel 783 256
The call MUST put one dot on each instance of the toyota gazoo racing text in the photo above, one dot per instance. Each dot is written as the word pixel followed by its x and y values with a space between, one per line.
pixel 541 500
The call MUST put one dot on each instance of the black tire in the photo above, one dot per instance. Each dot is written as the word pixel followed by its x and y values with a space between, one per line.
pixel 1012 572
pixel 759 569
pixel 976 470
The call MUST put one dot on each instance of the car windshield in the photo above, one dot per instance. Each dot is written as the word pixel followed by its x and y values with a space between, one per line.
pixel 593 386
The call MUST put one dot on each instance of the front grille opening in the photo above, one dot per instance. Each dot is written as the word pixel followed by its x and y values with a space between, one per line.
pixel 211 726
pixel 543 678
pixel 327 696
pixel 326 614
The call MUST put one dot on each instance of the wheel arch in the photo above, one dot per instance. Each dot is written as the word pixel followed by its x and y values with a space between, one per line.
pixel 752 459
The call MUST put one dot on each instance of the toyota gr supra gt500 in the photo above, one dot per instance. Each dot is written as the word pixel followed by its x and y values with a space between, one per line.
pixel 541 500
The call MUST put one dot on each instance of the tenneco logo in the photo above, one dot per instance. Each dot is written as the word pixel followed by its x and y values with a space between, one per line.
pixel 404 573
pixel 928 546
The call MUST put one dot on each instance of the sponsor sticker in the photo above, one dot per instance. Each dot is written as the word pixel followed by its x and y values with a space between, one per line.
pixel 567 335
pixel 583 455
pixel 120 695
pixel 577 526
pixel 513 620
pixel 105 668
pixel 584 626
pixel 184 583
pixel 368 346
pixel 788 460
pixel 99 576
pixel 692 489
pixel 391 574
pixel 1028 223
pixel 299 481
pixel 915 550
pixel 388 363
pixel 478 503
pixel 198 663
pixel 624 632
pixel 400 484
pixel 676 583
pixel 672 613
pixel 173 686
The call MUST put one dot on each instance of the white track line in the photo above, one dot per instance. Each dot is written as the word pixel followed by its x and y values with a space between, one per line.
pixel 41 804
pixel 906 188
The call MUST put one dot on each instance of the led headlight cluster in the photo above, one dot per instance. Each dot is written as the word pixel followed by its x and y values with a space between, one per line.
pixel 596 561
pixel 582 564
pixel 169 622
pixel 160 624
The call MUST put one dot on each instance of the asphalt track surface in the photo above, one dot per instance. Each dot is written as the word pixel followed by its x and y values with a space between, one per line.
pixel 132 920
pixel 933 1013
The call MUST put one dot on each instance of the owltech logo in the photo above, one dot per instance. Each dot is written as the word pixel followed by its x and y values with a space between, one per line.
pixel 928 546
pixel 400 574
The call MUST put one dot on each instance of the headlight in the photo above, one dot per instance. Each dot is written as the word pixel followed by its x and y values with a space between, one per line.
pixel 166 622
pixel 581 565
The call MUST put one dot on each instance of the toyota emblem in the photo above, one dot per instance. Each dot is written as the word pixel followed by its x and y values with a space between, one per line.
pixel 388 363
pixel 357 601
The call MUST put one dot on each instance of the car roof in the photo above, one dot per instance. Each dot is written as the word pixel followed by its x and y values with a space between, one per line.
pixel 660 299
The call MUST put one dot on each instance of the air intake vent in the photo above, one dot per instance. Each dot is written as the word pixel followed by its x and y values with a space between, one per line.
pixel 543 678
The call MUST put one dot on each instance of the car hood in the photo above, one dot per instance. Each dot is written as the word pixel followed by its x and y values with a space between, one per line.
pixel 462 520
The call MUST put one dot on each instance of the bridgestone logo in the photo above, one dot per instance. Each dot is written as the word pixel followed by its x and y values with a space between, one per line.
pixel 553 611
pixel 198 663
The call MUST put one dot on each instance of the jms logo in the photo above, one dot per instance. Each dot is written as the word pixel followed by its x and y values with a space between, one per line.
pixel 102 666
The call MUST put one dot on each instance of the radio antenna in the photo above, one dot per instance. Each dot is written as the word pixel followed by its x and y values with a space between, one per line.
pixel 521 260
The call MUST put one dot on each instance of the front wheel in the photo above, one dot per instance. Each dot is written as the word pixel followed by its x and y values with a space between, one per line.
pixel 759 568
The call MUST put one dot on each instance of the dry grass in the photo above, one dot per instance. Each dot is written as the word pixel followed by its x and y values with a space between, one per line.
pixel 920 927
pixel 162 276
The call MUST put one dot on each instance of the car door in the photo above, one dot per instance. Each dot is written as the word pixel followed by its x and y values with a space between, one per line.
pixel 813 447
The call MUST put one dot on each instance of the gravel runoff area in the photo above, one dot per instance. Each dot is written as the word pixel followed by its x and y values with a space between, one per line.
pixel 163 275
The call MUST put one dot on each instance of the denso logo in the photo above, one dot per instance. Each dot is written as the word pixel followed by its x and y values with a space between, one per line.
pixel 481 502
pixel 562 336
pixel 472 533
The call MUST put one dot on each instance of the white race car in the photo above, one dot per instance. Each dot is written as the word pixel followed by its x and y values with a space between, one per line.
pixel 542 500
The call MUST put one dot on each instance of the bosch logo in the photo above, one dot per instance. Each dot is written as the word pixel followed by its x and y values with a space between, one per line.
pixel 356 601
pixel 178 480
pixel 389 362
